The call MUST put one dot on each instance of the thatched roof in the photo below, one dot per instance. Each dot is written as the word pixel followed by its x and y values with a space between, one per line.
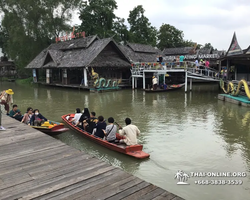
pixel 220 53
pixel 205 51
pixel 143 48
pixel 81 53
pixel 140 52
pixel 7 64
pixel 177 51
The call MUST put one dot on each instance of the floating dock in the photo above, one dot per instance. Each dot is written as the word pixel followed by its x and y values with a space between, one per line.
pixel 37 166
pixel 239 100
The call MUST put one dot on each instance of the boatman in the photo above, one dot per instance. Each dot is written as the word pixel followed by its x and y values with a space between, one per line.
pixel 130 132
pixel 154 82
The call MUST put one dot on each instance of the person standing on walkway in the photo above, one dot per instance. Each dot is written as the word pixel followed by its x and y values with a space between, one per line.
pixel 181 60
pixel 6 98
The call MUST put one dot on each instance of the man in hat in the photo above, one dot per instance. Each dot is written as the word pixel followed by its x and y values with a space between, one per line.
pixel 154 82
pixel 6 98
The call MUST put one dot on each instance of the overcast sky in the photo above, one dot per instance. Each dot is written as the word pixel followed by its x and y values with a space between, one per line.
pixel 202 21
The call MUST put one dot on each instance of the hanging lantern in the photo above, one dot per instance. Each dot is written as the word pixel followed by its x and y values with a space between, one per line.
pixel 132 65
pixel 154 64
pixel 142 64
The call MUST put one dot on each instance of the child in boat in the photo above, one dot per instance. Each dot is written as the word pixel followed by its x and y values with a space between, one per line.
pixel 110 131
pixel 27 116
pixel 37 119
pixel 77 116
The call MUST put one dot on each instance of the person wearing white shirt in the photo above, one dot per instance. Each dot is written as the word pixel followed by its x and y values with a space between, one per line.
pixel 154 82
pixel 77 116
pixel 130 132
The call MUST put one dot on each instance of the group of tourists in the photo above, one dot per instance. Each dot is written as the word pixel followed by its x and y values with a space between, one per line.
pixel 202 63
pixel 98 127
pixel 85 120
pixel 31 117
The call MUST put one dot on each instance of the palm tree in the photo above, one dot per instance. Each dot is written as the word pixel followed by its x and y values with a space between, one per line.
pixel 185 177
pixel 179 175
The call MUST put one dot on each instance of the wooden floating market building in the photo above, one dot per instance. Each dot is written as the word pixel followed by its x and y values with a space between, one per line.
pixel 236 61
pixel 70 63
pixel 236 68
pixel 79 62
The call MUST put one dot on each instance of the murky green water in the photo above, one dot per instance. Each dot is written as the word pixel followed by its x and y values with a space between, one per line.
pixel 193 132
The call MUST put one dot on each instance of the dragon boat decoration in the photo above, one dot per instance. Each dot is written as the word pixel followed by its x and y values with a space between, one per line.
pixel 234 89
pixel 101 84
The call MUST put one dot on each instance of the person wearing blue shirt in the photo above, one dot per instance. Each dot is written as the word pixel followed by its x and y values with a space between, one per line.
pixel 181 60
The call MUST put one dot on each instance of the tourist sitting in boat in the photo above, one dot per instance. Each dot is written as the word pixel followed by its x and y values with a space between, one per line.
pixel 110 131
pixel 6 98
pixel 91 123
pixel 85 115
pixel 37 119
pixel 130 132
pixel 16 113
pixel 164 86
pixel 77 116
pixel 98 130
pixel 27 116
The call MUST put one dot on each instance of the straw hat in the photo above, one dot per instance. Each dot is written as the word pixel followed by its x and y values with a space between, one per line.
pixel 153 77
pixel 9 91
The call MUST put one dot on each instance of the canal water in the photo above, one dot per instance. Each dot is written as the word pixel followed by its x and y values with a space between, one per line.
pixel 193 132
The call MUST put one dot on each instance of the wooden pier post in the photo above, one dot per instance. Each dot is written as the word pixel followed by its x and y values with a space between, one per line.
pixel 191 83
pixel 85 77
pixel 144 81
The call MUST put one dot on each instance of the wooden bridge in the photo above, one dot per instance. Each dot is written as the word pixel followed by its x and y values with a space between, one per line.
pixel 37 166
pixel 139 70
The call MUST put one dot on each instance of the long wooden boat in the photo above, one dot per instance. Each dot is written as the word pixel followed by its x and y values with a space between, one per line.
pixel 133 150
pixel 170 88
pixel 53 128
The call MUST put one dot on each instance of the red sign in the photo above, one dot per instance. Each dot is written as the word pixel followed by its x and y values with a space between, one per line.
pixel 70 36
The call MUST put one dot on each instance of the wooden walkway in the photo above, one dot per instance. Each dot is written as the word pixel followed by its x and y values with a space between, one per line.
pixel 37 166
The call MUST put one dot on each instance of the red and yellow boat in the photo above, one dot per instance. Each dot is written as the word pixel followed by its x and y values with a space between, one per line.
pixel 51 128
pixel 133 150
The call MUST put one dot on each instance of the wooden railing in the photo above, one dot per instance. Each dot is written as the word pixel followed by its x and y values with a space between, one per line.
pixel 190 67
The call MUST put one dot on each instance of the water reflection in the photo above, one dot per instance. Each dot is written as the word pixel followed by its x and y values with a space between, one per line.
pixel 234 121
pixel 49 95
pixel 185 101
pixel 35 93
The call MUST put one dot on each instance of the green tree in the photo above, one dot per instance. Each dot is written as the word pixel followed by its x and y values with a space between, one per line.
pixel 208 46
pixel 3 39
pixel 120 30
pixel 169 37
pixel 141 30
pixel 97 17
pixel 31 25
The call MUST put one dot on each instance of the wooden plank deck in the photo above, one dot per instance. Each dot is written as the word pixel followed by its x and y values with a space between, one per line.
pixel 37 166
